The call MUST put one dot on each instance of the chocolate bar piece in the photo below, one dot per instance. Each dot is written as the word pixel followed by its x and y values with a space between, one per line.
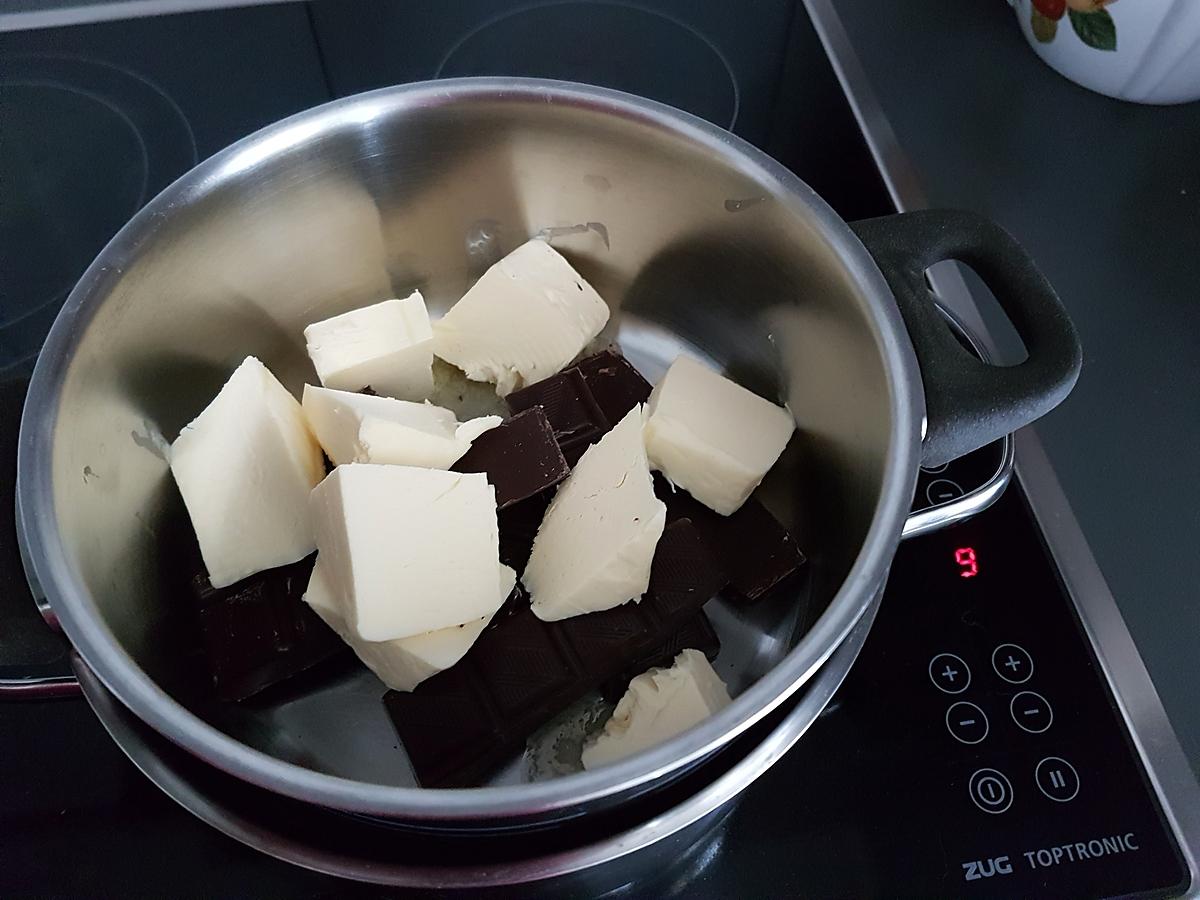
pixel 519 525
pixel 697 633
pixel 520 457
pixel 616 386
pixel 570 407
pixel 755 550
pixel 586 400
pixel 462 723
pixel 258 632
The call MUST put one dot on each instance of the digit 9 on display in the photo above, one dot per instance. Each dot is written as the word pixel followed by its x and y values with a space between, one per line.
pixel 967 561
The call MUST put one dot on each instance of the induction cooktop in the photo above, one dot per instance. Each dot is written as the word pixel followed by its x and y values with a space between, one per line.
pixel 997 736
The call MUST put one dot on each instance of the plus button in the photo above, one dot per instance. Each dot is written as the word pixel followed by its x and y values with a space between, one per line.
pixel 949 673
pixel 1012 663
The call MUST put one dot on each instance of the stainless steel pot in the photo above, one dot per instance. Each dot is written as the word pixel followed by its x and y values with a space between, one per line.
pixel 697 240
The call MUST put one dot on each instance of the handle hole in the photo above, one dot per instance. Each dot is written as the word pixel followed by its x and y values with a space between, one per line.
pixel 954 282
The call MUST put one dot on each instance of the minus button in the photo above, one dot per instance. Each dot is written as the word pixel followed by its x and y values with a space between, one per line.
pixel 966 722
pixel 942 490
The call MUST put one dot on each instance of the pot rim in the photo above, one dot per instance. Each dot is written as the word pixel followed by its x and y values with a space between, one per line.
pixel 80 618
pixel 272 832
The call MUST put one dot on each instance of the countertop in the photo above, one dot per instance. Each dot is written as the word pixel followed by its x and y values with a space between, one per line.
pixel 1106 195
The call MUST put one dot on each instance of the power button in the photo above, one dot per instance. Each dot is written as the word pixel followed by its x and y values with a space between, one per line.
pixel 990 790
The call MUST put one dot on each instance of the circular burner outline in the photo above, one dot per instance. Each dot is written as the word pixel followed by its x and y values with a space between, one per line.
pixel 77 74
pixel 533 7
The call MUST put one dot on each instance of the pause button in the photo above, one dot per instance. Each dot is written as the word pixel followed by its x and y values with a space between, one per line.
pixel 1057 779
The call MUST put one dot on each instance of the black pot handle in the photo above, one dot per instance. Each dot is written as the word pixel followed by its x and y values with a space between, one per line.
pixel 970 403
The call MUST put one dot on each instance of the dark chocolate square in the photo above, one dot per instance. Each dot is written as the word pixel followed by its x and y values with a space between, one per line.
pixel 585 401
pixel 696 634
pixel 520 457
pixel 258 632
pixel 453 706
pixel 616 386
pixel 597 638
pixel 527 668
pixel 568 403
pixel 755 550
pixel 519 525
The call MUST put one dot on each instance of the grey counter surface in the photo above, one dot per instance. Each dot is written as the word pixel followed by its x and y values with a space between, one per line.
pixel 1106 195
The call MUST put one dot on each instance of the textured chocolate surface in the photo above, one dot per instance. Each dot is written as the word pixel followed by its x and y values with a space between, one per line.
pixel 754 549
pixel 697 633
pixel 462 723
pixel 519 525
pixel 586 400
pixel 520 457
pixel 616 386
pixel 258 632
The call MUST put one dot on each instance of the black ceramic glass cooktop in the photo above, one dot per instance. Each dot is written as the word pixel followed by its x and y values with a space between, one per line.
pixel 974 750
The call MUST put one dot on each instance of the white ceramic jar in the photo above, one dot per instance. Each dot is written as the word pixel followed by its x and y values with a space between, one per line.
pixel 1147 51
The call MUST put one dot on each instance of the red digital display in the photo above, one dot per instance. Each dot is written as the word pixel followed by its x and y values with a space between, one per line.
pixel 968 562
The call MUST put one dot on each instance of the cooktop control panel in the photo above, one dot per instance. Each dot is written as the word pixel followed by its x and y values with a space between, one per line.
pixel 1033 782
pixel 975 749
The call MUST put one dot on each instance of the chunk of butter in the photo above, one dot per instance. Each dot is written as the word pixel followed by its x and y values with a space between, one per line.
pixel 658 705
pixel 401 664
pixel 594 547
pixel 359 428
pixel 409 550
pixel 711 436
pixel 245 467
pixel 387 347
pixel 524 320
